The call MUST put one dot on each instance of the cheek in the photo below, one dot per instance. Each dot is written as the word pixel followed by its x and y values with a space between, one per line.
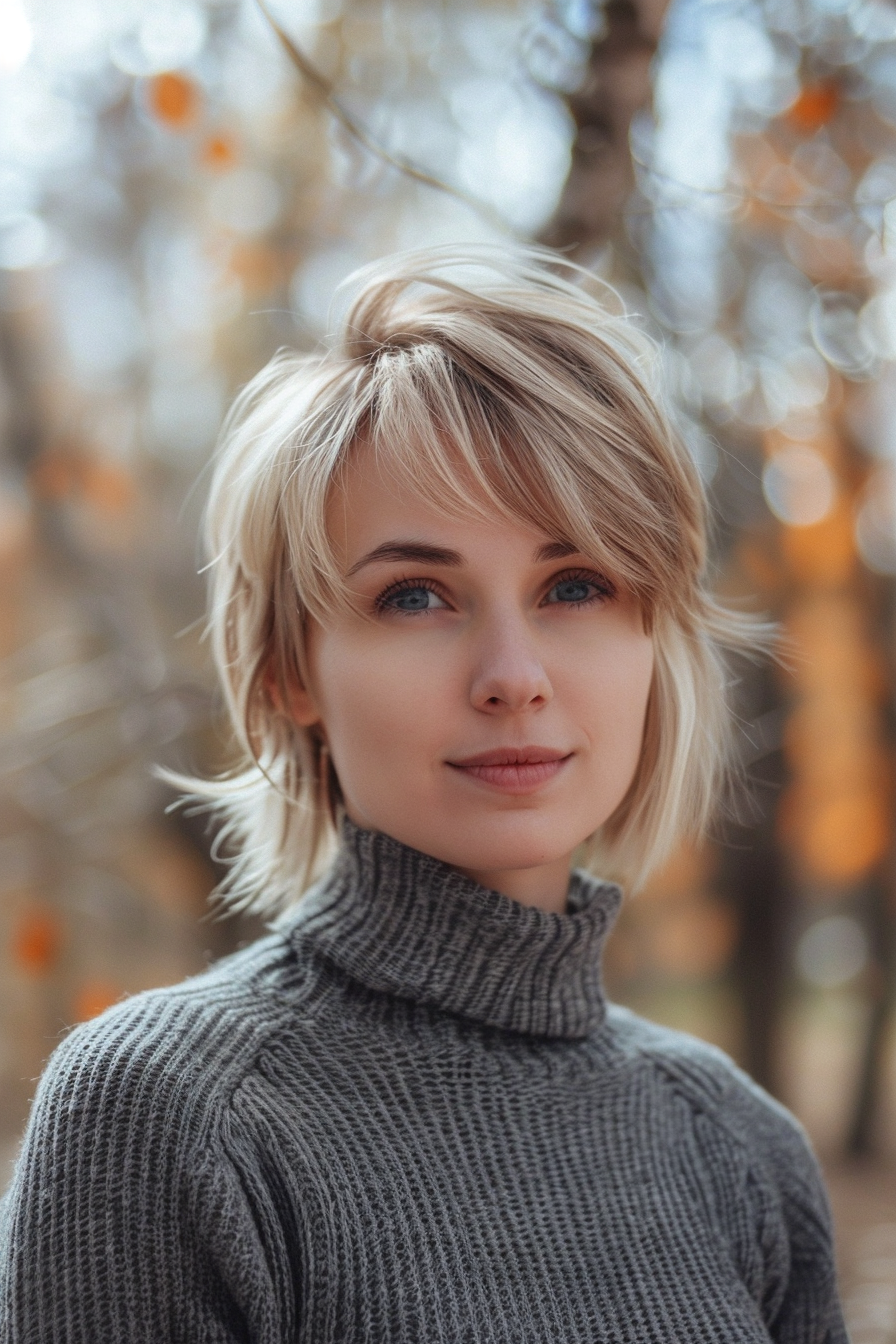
pixel 376 702
pixel 612 688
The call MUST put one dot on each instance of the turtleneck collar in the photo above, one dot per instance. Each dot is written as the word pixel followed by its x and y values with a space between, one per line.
pixel 407 924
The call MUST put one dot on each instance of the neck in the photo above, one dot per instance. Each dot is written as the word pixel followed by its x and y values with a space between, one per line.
pixel 544 887
pixel 403 923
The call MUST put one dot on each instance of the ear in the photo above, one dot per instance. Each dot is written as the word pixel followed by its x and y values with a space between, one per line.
pixel 296 705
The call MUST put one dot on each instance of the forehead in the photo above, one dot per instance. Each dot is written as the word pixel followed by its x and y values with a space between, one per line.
pixel 375 500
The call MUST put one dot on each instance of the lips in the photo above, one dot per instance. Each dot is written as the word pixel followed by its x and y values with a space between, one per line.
pixel 513 769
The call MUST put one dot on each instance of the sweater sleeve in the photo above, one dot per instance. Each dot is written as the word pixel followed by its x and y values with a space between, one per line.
pixel 776 1212
pixel 803 1285
pixel 136 1210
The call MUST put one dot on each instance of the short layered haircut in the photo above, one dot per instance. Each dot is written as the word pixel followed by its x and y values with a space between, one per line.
pixel 496 382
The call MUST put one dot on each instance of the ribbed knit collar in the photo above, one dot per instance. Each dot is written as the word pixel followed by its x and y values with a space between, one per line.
pixel 404 923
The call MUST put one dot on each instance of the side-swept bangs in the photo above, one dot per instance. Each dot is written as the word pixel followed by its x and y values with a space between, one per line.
pixel 515 391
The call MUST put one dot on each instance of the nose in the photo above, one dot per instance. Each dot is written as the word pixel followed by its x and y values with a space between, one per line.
pixel 509 675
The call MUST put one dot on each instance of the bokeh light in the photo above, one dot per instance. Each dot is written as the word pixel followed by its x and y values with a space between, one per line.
pixel 798 485
pixel 16 36
pixel 832 951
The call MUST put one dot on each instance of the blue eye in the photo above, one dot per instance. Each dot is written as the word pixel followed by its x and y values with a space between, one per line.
pixel 572 590
pixel 414 597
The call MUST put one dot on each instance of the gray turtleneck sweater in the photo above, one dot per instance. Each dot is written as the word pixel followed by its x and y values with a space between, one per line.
pixel 408 1116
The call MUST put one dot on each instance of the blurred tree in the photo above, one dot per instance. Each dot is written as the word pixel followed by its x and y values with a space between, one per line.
pixel 761 141
pixel 615 85
pixel 177 204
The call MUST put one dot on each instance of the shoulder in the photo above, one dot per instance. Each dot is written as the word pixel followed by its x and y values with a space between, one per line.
pixel 729 1107
pixel 755 1162
pixel 702 1073
pixel 140 1175
pixel 182 1049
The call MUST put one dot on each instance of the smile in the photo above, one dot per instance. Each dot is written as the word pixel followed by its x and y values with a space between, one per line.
pixel 514 769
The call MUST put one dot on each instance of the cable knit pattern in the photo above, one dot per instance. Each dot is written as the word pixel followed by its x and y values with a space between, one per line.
pixel 408 1116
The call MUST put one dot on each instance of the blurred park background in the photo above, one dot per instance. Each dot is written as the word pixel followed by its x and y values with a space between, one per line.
pixel 183 183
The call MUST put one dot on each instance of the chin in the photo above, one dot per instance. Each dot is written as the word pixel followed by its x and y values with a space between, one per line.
pixel 503 847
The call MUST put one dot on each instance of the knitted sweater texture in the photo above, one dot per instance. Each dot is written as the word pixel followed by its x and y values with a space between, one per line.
pixel 408 1116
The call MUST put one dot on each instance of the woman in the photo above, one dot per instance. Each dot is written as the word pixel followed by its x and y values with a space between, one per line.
pixel 457 608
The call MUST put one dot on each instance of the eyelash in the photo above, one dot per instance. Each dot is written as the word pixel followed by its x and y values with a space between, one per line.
pixel 404 586
pixel 606 590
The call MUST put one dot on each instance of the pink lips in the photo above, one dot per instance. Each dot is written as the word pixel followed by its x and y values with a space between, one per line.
pixel 514 769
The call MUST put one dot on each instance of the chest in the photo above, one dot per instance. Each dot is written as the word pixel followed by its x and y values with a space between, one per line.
pixel 459 1204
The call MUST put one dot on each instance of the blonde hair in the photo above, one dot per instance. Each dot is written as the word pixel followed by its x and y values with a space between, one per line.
pixel 495 382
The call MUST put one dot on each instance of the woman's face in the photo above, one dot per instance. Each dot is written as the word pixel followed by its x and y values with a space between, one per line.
pixel 486 702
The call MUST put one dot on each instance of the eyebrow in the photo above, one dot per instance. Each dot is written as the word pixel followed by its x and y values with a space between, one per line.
pixel 427 554
pixel 555 550
pixel 421 551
